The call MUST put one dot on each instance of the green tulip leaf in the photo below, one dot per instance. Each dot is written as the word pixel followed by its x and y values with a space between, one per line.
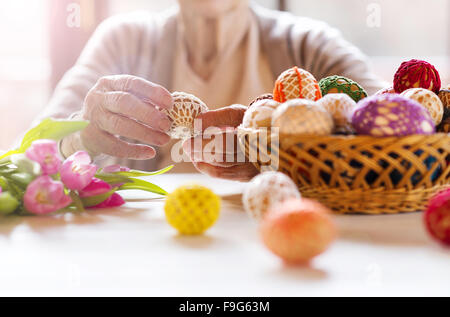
pixel 140 184
pixel 49 129
pixel 96 200
pixel 76 201
pixel 113 178
pixel 135 173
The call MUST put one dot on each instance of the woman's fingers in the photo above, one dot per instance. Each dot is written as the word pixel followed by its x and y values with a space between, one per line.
pixel 242 172
pixel 119 125
pixel 225 117
pixel 141 88
pixel 103 142
pixel 128 105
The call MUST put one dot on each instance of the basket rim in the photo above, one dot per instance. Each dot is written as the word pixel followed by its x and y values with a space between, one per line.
pixel 243 130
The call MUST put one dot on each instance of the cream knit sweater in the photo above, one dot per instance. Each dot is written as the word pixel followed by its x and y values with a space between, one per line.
pixel 152 47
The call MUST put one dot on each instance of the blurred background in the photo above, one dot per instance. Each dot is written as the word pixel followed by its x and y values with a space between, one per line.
pixel 38 45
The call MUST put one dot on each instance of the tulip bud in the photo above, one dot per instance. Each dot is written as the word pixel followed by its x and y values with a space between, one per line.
pixel 8 203
pixel 25 165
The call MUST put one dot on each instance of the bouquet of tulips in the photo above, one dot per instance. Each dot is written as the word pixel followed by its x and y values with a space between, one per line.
pixel 35 180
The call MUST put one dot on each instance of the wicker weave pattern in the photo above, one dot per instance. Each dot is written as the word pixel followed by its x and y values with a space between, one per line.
pixel 360 174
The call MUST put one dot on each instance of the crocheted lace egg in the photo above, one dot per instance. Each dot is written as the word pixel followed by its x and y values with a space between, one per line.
pixel 296 83
pixel 259 114
pixel 340 84
pixel 302 116
pixel 429 100
pixel 391 115
pixel 387 90
pixel 185 109
pixel 265 190
pixel 340 106
pixel 417 74
pixel 262 97
pixel 444 95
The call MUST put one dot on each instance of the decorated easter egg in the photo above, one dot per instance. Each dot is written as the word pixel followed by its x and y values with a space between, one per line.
pixel 429 100
pixel 298 230
pixel 192 209
pixel 296 83
pixel 259 114
pixel 340 106
pixel 265 190
pixel 391 115
pixel 185 109
pixel 437 217
pixel 445 124
pixel 416 74
pixel 444 96
pixel 387 90
pixel 262 97
pixel 340 84
pixel 302 116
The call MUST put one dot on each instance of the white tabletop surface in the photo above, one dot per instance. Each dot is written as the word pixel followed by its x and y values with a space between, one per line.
pixel 132 251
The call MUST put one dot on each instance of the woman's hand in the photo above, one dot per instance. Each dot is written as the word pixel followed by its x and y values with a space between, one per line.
pixel 123 106
pixel 217 152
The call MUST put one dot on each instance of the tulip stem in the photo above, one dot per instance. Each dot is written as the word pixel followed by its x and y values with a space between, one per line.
pixel 77 201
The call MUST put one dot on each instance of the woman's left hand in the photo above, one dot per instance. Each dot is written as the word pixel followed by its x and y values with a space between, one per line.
pixel 217 152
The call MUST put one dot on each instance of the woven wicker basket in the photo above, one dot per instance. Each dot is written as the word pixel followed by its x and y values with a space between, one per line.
pixel 357 174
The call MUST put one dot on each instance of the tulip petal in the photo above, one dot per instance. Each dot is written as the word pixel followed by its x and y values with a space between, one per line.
pixel 44 196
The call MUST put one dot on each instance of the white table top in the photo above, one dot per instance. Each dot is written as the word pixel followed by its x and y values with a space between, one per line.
pixel 132 251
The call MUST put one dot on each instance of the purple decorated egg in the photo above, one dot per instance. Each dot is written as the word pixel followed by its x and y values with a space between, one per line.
pixel 391 115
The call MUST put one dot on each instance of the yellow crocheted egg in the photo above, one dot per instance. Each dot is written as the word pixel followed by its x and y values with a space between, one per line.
pixel 192 209
pixel 296 83
pixel 429 100
pixel 185 109
pixel 340 106
pixel 302 116
pixel 259 114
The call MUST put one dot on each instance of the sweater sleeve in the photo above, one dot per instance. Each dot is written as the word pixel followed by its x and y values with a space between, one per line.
pixel 323 51
pixel 115 48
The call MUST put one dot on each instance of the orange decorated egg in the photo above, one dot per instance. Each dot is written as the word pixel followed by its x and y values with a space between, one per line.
pixel 296 83
pixel 298 230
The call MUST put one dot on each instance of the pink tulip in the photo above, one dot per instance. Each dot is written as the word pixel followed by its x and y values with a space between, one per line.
pixel 113 201
pixel 77 171
pixel 44 195
pixel 99 187
pixel 45 152
pixel 115 169
pixel 1 190
pixel 96 187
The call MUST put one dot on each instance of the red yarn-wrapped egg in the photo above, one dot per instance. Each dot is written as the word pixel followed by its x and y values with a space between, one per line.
pixel 296 83
pixel 437 217
pixel 298 230
pixel 417 74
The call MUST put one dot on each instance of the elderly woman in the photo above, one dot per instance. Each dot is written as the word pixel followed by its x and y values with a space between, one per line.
pixel 223 51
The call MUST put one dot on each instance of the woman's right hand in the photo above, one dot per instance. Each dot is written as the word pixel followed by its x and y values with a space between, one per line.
pixel 123 106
